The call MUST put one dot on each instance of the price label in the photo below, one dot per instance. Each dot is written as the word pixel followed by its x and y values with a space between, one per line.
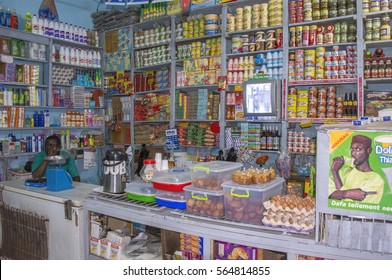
pixel 172 139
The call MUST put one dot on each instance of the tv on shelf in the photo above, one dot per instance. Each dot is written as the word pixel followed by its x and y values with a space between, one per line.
pixel 261 98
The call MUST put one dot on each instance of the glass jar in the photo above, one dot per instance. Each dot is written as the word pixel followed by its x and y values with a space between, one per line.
pixel 148 170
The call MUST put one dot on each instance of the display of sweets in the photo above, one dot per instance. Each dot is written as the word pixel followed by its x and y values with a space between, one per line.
pixel 198 26
pixel 320 64
pixel 256 16
pixel 340 32
pixel 309 10
pixel 157 35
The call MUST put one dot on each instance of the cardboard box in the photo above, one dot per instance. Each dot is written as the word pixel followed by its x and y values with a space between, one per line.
pixel 202 4
pixel 230 251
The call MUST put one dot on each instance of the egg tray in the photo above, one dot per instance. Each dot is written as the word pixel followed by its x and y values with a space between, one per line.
pixel 287 224
pixel 290 229
pixel 268 205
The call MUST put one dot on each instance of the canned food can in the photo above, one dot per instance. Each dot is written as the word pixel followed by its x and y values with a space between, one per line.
pixel 375 6
pixel 293 41
pixel 298 36
pixel 324 13
pixel 376 23
pixel 316 14
pixel 305 35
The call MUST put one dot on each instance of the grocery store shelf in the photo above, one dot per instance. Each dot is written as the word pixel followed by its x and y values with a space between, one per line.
pixel 324 46
pixel 378 44
pixel 151 46
pixel 151 121
pixel 193 120
pixel 194 58
pixel 59 64
pixel 59 41
pixel 164 90
pixel 376 14
pixel 29 59
pixel 327 20
pixel 152 67
pixel 250 53
pixel 145 25
pixel 323 82
pixel 193 88
pixel 254 30
pixel 22 84
pixel 318 120
pixel 205 37
pixel 378 80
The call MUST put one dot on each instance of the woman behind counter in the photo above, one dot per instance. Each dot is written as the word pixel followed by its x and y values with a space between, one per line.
pixel 52 148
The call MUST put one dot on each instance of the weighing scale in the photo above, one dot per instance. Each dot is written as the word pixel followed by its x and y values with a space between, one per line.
pixel 57 178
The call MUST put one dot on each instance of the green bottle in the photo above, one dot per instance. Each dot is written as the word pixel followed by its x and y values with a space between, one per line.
pixel 22 48
pixel 28 23
pixel 14 47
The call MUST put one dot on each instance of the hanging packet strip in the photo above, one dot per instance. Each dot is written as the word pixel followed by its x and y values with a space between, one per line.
pixel 172 139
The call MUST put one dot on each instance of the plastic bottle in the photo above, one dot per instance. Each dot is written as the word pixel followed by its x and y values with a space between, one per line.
pixel 56 29
pixel 46 118
pixel 68 139
pixel 14 20
pixel 53 53
pixel 41 27
pixel 72 56
pixel 66 31
pixel 91 141
pixel 82 58
pixel 94 64
pixel 98 60
pixel 62 139
pixel 46 27
pixel 62 54
pixel 80 32
pixel 8 18
pixel 51 28
pixel 71 32
pixel 76 33
pixel 42 52
pixel 77 56
pixel 61 30
pixel 89 33
pixel 85 118
pixel 27 22
pixel 33 50
pixel 67 55
pixel 36 119
pixel 34 24
pixel 84 36
pixel 2 17
pixel 89 59
pixel 41 119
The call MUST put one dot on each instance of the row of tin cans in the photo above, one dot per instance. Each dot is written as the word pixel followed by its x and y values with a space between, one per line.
pixel 319 64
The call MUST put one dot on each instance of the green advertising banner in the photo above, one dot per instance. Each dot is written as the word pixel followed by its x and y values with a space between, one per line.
pixel 360 171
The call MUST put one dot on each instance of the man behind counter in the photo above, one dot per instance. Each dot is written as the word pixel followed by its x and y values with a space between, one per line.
pixel 52 148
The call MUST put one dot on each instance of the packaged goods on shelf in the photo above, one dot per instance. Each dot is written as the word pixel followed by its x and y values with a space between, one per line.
pixel 159 35
pixel 152 107
pixel 152 80
pixel 298 143
pixel 376 101
pixel 193 134
pixel 234 106
pixel 192 244
pixel 230 251
pixel 151 134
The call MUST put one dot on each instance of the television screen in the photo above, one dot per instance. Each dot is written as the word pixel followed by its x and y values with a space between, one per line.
pixel 260 98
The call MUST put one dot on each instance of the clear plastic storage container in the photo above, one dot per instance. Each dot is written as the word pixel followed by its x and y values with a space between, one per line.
pixel 211 175
pixel 171 180
pixel 171 199
pixel 204 202
pixel 140 191
pixel 245 203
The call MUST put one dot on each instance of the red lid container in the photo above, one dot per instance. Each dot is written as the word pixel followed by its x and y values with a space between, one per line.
pixel 171 180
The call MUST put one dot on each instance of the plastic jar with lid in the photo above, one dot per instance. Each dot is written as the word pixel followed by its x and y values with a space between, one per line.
pixel 385 30
pixel 148 170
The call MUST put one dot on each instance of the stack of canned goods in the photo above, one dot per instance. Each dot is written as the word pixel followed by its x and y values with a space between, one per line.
pixel 340 32
pixel 320 64
pixel 152 56
pixel 298 143
pixel 240 69
pixel 381 68
pixel 198 26
pixel 376 5
pixel 158 35
pixel 212 47
pixel 309 10
pixel 256 16
pixel 378 29
pixel 257 42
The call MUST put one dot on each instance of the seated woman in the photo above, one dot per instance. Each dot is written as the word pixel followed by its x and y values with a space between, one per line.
pixel 52 148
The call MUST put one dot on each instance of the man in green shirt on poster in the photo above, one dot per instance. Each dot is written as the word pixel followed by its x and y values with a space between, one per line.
pixel 357 181
pixel 52 148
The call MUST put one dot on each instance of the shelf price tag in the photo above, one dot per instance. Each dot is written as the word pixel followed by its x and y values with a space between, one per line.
pixel 172 139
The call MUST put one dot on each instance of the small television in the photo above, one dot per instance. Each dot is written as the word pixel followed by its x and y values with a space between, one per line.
pixel 262 98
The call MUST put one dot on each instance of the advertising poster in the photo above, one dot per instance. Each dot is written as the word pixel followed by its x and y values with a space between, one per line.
pixel 360 171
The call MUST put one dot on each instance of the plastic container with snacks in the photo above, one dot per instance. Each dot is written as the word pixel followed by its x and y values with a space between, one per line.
pixel 140 191
pixel 211 175
pixel 204 202
pixel 244 203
